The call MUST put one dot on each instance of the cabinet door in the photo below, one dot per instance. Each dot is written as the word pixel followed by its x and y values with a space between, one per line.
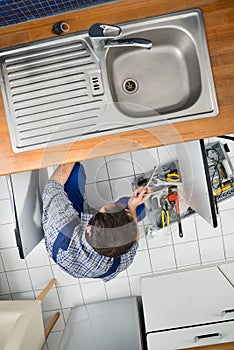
pixel 228 271
pixel 192 337
pixel 186 298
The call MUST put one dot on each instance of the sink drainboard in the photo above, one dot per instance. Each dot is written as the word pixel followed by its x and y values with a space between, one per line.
pixel 52 92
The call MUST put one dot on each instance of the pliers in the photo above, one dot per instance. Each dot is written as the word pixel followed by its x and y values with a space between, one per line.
pixel 164 212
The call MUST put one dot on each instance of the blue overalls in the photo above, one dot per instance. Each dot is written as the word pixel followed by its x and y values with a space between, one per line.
pixel 75 188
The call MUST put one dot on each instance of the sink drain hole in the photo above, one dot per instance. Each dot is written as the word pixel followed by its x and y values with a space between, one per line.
pixel 130 86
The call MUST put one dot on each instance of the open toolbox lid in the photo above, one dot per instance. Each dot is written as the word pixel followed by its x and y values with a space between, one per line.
pixel 195 176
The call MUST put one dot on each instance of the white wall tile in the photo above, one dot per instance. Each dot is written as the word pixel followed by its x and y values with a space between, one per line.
pixel 187 254
pixel 93 292
pixel 162 258
pixel 11 260
pixel 141 264
pixel 5 297
pixel 19 281
pixel 7 236
pixel 4 193
pixel 119 165
pixel 40 276
pixel 205 230
pixel 98 194
pixel 38 256
pixel 122 187
pixel 95 170
pixel 229 246
pixel 70 296
pixel 5 212
pixel 227 221
pixel 188 228
pixel 118 288
pixel 4 285
pixel 145 160
pixel 62 277
pixel 211 249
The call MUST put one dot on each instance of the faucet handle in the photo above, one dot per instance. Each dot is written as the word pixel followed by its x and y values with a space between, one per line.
pixel 100 30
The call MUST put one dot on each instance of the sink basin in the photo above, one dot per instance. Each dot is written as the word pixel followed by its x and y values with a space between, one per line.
pixel 173 78
pixel 62 89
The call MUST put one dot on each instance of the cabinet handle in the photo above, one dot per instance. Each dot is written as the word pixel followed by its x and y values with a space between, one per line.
pixel 204 336
pixel 224 312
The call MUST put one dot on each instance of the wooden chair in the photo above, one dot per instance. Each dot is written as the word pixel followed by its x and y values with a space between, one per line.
pixel 21 323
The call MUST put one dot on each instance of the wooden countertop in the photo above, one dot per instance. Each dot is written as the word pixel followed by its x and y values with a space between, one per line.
pixel 219 24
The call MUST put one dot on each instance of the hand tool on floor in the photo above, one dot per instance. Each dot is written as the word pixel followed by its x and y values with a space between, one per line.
pixel 174 201
pixel 164 212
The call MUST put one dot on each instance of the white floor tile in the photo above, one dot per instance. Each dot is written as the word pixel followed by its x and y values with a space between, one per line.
pixel 122 187
pixel 23 296
pixel 6 212
pixel 227 221
pixel 119 165
pixel 70 296
pixel 2 269
pixel 19 281
pixel 211 249
pixel 162 258
pixel 93 292
pixel 135 284
pixel 205 230
pixel 187 254
pixel 4 193
pixel 48 315
pixel 4 286
pixel 160 238
pixel 51 301
pixel 226 204
pixel 7 236
pixel 62 277
pixel 167 154
pixel 142 238
pixel 229 246
pixel 11 260
pixel 54 340
pixel 38 256
pixel 141 264
pixel 188 228
pixel 98 194
pixel 95 170
pixel 145 160
pixel 40 276
pixel 118 288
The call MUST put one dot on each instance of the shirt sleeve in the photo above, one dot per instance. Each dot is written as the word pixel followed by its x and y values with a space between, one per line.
pixel 58 210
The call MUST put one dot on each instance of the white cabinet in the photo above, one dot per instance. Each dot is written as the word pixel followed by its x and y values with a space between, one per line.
pixel 181 306
pixel 191 337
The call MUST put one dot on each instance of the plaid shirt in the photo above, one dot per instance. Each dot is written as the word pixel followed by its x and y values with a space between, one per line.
pixel 80 259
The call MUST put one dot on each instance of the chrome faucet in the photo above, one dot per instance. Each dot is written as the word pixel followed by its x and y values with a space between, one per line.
pixel 105 35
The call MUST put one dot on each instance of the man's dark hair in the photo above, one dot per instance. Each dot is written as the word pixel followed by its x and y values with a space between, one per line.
pixel 113 232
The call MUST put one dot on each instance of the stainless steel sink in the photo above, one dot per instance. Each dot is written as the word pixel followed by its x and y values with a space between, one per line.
pixel 66 89
pixel 173 79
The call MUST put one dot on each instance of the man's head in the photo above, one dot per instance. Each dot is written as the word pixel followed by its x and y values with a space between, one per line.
pixel 113 230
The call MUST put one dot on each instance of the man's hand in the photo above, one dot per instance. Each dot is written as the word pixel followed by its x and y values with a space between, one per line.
pixel 62 173
pixel 137 198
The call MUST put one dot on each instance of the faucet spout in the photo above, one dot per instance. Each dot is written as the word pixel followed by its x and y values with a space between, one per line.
pixel 133 42
pixel 106 35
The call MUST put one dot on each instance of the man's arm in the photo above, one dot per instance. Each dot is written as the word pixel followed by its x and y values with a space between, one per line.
pixel 62 173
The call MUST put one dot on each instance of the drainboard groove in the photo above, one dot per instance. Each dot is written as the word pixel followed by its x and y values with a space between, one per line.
pixel 50 92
